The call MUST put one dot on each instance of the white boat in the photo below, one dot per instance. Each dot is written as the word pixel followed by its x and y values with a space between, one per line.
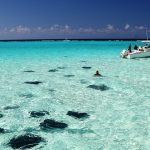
pixel 138 52
pixel 141 52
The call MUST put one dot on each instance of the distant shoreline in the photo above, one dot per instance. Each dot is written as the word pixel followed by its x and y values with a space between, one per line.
pixel 51 40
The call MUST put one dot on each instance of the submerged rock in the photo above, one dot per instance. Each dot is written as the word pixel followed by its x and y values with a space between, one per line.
pixel 83 81
pixel 26 95
pixel 117 76
pixel 52 124
pixel 38 114
pixel 2 130
pixel 70 75
pixel 77 114
pixel 33 82
pixel 101 87
pixel 86 67
pixel 61 67
pixel 51 90
pixel 81 131
pixel 53 70
pixel 25 141
pixel 1 115
pixel 11 107
pixel 29 71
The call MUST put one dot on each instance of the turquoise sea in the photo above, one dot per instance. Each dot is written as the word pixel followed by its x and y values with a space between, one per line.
pixel 119 118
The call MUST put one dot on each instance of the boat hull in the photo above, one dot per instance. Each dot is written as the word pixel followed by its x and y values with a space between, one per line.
pixel 138 55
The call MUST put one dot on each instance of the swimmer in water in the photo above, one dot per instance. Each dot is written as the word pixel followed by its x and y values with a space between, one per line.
pixel 97 73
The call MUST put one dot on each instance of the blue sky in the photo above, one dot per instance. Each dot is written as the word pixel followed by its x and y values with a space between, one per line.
pixel 30 19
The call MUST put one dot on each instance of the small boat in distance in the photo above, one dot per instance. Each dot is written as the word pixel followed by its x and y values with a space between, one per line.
pixel 66 40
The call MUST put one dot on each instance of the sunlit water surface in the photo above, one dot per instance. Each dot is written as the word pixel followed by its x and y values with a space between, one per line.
pixel 119 118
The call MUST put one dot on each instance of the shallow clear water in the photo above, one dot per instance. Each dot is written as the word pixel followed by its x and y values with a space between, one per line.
pixel 119 117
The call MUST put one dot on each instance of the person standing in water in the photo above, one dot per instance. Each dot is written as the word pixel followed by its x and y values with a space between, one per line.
pixel 129 49
pixel 135 47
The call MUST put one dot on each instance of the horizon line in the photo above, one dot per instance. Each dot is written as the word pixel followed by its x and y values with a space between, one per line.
pixel 75 39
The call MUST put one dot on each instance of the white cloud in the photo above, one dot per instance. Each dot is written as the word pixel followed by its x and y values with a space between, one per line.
pixel 5 29
pixel 127 26
pixel 21 29
pixel 139 27
pixel 66 27
pixel 56 26
pixel 109 27
pixel 60 30
pixel 52 28
pixel 86 30
pixel 39 28
pixel 12 30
